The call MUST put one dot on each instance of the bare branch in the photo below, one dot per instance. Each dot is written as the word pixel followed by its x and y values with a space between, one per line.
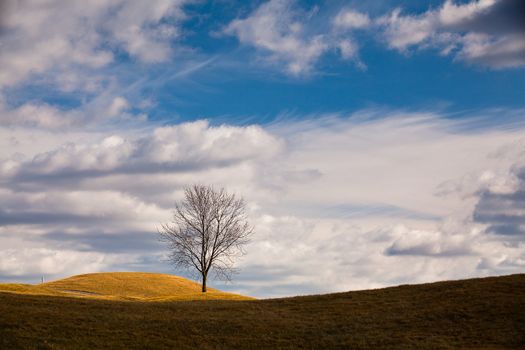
pixel 207 232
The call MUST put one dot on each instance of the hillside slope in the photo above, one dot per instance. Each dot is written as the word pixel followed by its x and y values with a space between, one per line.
pixel 139 286
pixel 487 313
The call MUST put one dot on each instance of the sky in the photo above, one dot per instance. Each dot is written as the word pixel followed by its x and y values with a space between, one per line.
pixel 376 143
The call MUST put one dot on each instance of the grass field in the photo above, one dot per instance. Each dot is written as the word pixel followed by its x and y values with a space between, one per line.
pixel 139 286
pixel 486 313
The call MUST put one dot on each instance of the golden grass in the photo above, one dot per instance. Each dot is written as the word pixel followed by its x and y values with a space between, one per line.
pixel 137 286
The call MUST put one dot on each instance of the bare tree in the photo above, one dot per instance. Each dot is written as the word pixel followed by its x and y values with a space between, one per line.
pixel 208 230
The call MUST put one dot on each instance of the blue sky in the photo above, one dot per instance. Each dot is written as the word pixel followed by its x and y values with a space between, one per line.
pixel 393 127
pixel 215 77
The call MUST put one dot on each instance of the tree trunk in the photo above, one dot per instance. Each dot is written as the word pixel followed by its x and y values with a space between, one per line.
pixel 204 283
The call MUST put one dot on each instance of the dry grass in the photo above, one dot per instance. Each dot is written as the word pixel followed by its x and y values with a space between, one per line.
pixel 138 286
pixel 487 313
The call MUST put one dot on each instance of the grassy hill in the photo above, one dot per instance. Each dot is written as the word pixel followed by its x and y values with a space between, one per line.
pixel 487 313
pixel 139 286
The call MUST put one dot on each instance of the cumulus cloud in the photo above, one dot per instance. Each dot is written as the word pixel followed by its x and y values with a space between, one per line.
pixel 185 147
pixel 486 32
pixel 36 37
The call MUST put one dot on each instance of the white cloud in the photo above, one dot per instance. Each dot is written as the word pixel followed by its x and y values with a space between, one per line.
pixel 137 26
pixel 287 35
pixel 200 142
pixel 496 52
pixel 403 31
pixel 277 28
pixel 433 243
pixel 348 49
pixel 37 262
pixel 105 109
pixel 349 19
pixel 471 31
pixel 189 146
pixel 118 105
pixel 38 115
pixel 452 14
pixel 53 35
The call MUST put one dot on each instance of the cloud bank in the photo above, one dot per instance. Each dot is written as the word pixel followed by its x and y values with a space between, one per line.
pixel 338 202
